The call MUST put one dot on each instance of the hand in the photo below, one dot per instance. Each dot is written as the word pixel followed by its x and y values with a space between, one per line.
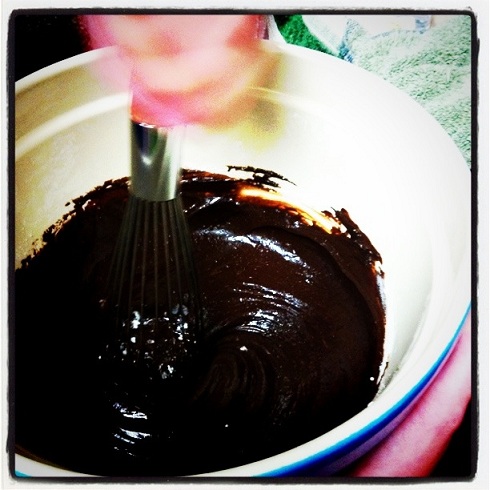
pixel 186 68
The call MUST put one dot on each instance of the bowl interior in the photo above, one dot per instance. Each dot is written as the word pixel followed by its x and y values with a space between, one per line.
pixel 344 137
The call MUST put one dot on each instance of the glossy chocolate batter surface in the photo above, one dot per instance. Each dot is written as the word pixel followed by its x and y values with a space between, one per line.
pixel 292 344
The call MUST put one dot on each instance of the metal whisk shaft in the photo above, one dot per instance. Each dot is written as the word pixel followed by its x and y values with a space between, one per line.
pixel 155 161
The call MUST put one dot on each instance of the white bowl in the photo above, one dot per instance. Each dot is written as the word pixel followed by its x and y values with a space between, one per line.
pixel 347 139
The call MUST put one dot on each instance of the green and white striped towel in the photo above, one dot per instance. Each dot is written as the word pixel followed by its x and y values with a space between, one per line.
pixel 429 58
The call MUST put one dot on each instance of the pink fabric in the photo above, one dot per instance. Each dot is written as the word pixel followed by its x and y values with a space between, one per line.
pixel 417 445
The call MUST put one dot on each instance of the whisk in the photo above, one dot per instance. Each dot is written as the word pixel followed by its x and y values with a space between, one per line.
pixel 153 296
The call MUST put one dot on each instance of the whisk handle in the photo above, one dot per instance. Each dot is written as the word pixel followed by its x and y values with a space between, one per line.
pixel 155 161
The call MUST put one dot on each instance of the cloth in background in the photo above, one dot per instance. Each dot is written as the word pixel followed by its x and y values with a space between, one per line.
pixel 428 57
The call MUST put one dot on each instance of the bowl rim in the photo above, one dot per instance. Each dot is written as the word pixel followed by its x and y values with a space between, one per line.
pixel 382 415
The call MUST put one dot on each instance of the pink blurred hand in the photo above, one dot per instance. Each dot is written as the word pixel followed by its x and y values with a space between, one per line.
pixel 185 68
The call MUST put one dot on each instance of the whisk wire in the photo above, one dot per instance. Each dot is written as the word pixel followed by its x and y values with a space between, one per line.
pixel 156 248
pixel 141 262
pixel 124 244
pixel 183 238
pixel 177 243
pixel 167 254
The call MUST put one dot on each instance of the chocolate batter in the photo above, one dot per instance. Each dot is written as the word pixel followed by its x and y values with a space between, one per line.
pixel 292 344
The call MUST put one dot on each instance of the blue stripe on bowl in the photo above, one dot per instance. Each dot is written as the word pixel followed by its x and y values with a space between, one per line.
pixel 330 456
